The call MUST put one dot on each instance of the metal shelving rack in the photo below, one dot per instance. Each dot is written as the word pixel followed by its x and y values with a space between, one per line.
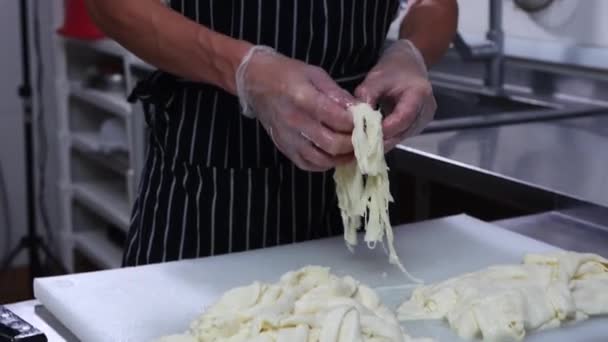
pixel 97 184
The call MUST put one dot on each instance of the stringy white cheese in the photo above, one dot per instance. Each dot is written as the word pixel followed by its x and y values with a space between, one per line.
pixel 363 187
pixel 502 303
pixel 308 305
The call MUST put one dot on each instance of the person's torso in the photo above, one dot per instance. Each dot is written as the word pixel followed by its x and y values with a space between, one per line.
pixel 200 124
pixel 342 36
pixel 214 181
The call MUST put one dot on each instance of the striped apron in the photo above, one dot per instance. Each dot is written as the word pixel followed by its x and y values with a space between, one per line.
pixel 213 181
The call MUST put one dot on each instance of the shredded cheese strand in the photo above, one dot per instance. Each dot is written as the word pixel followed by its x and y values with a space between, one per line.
pixel 362 187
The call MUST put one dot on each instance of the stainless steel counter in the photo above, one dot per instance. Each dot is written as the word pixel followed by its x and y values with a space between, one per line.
pixel 567 158
pixel 561 230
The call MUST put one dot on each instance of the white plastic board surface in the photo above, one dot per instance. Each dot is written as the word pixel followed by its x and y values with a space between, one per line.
pixel 142 303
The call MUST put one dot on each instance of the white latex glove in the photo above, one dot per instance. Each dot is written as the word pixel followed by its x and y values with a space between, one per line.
pixel 301 107
pixel 399 82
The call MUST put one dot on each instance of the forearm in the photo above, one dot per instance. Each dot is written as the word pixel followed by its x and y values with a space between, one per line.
pixel 170 41
pixel 431 26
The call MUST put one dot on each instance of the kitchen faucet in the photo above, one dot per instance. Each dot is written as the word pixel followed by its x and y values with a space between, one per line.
pixel 490 51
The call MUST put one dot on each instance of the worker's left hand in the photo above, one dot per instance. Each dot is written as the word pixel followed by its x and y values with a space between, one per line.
pixel 399 83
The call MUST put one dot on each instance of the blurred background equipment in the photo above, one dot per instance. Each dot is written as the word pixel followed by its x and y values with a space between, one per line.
pixel 533 5
pixel 78 23
pixel 32 243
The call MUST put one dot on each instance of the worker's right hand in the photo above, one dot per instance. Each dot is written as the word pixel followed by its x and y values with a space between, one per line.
pixel 303 110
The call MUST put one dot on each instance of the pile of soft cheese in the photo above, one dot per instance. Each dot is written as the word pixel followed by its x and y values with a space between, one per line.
pixel 362 186
pixel 502 303
pixel 307 305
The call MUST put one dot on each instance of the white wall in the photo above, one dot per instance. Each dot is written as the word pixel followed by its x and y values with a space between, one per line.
pixel 575 22
pixel 11 123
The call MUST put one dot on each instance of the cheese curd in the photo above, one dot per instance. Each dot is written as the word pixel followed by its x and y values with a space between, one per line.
pixel 503 303
pixel 362 186
pixel 307 305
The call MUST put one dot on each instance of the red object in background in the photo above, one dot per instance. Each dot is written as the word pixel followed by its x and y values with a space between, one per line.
pixel 78 22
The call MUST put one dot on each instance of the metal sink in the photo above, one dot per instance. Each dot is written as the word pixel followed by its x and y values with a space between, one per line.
pixel 452 104
pixel 461 109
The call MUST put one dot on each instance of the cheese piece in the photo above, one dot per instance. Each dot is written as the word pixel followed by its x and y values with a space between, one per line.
pixel 308 305
pixel 502 303
pixel 362 186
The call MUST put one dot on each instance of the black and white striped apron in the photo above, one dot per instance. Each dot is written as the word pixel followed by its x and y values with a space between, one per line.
pixel 213 181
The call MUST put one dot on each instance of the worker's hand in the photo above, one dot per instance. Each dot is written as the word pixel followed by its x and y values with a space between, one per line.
pixel 399 83
pixel 301 107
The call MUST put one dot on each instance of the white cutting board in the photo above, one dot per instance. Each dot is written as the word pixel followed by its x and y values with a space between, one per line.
pixel 139 304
